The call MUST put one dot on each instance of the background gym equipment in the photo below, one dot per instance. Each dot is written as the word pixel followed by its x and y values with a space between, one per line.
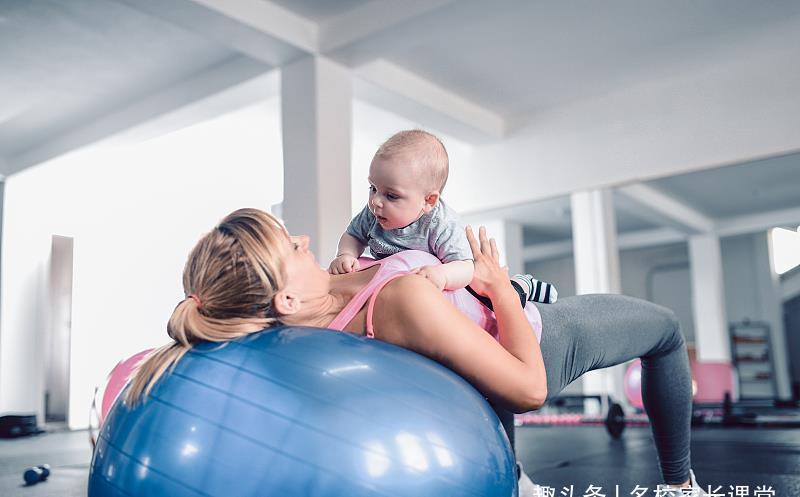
pixel 19 425
pixel 615 419
pixel 304 411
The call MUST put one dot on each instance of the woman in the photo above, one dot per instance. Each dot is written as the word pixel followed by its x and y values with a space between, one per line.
pixel 249 274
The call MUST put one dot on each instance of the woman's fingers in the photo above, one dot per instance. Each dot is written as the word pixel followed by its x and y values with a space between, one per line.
pixel 473 244
pixel 485 248
pixel 483 245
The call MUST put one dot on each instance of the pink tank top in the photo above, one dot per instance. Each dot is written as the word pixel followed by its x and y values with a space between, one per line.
pixel 402 263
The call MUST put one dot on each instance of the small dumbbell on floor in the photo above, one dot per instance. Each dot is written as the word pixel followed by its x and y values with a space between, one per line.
pixel 34 475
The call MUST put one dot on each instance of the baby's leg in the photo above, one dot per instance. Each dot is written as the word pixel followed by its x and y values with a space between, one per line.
pixel 590 332
pixel 532 290
pixel 528 288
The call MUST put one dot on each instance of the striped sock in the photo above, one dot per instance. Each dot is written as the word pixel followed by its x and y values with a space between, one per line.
pixel 535 290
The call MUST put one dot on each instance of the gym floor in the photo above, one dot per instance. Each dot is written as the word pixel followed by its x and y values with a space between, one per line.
pixel 556 456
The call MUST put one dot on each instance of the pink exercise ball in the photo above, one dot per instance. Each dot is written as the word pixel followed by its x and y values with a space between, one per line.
pixel 116 381
pixel 633 384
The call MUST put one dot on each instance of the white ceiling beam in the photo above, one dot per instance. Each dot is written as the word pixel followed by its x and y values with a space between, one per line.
pixel 269 18
pixel 752 223
pixel 375 40
pixel 210 82
pixel 739 225
pixel 656 205
pixel 371 18
pixel 270 33
pixel 409 85
pixel 544 251
pixel 650 238
pixel 257 28
pixel 251 92
pixel 625 241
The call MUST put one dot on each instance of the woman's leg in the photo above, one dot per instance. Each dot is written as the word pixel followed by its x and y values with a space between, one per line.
pixel 590 332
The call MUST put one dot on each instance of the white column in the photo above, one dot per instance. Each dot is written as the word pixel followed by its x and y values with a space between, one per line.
pixel 2 211
pixel 508 236
pixel 708 299
pixel 594 240
pixel 771 296
pixel 316 110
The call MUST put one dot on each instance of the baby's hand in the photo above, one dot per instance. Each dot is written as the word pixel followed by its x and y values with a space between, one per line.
pixel 344 264
pixel 434 274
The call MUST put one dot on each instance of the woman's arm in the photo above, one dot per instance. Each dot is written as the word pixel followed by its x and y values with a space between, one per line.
pixel 413 314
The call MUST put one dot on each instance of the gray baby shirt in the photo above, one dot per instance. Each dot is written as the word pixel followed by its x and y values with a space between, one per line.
pixel 439 232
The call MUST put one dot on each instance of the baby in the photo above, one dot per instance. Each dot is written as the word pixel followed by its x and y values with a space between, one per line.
pixel 405 212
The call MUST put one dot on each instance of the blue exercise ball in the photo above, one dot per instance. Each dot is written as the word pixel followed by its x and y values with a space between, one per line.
pixel 297 411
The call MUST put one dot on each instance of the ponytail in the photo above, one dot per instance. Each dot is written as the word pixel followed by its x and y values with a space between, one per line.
pixel 230 280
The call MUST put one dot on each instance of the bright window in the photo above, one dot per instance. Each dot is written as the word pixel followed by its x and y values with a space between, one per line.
pixel 785 249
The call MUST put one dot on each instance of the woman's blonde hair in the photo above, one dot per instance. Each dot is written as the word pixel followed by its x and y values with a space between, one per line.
pixel 230 279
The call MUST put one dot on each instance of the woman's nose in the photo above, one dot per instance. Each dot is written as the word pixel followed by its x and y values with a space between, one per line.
pixel 305 240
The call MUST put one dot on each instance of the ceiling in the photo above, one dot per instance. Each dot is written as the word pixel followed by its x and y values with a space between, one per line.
pixel 320 10
pixel 741 189
pixel 723 194
pixel 70 62
pixel 69 65
pixel 519 55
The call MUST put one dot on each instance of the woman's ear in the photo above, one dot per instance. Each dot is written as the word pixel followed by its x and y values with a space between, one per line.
pixel 285 304
pixel 430 201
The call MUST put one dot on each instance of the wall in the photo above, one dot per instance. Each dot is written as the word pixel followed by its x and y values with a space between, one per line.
pixel 645 273
pixel 739 271
pixel 792 317
pixel 2 210
pixel 790 284
pixel 660 274
pixel 372 126
pixel 135 212
pixel 688 121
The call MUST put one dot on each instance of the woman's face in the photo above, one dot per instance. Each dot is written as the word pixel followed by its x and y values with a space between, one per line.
pixel 304 275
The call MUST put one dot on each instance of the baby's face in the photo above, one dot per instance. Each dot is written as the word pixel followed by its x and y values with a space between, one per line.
pixel 396 193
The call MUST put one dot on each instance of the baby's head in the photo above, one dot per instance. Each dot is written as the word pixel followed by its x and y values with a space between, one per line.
pixel 406 177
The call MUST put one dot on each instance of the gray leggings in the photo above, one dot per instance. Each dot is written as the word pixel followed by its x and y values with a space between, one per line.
pixel 590 332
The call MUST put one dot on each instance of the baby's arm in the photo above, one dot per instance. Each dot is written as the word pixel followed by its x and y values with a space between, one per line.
pixel 448 243
pixel 346 261
pixel 457 273
pixel 449 276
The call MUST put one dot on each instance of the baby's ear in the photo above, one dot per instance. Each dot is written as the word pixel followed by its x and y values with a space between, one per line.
pixel 430 200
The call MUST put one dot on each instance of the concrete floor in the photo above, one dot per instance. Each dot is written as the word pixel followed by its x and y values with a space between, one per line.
pixel 558 457
pixel 67 453
pixel 585 455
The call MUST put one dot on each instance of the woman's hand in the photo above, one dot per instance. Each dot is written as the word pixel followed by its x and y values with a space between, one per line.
pixel 488 277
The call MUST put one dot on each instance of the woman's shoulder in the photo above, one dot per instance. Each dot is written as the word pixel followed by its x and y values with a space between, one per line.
pixel 408 289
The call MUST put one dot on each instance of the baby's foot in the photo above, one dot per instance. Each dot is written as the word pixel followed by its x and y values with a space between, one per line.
pixel 534 290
